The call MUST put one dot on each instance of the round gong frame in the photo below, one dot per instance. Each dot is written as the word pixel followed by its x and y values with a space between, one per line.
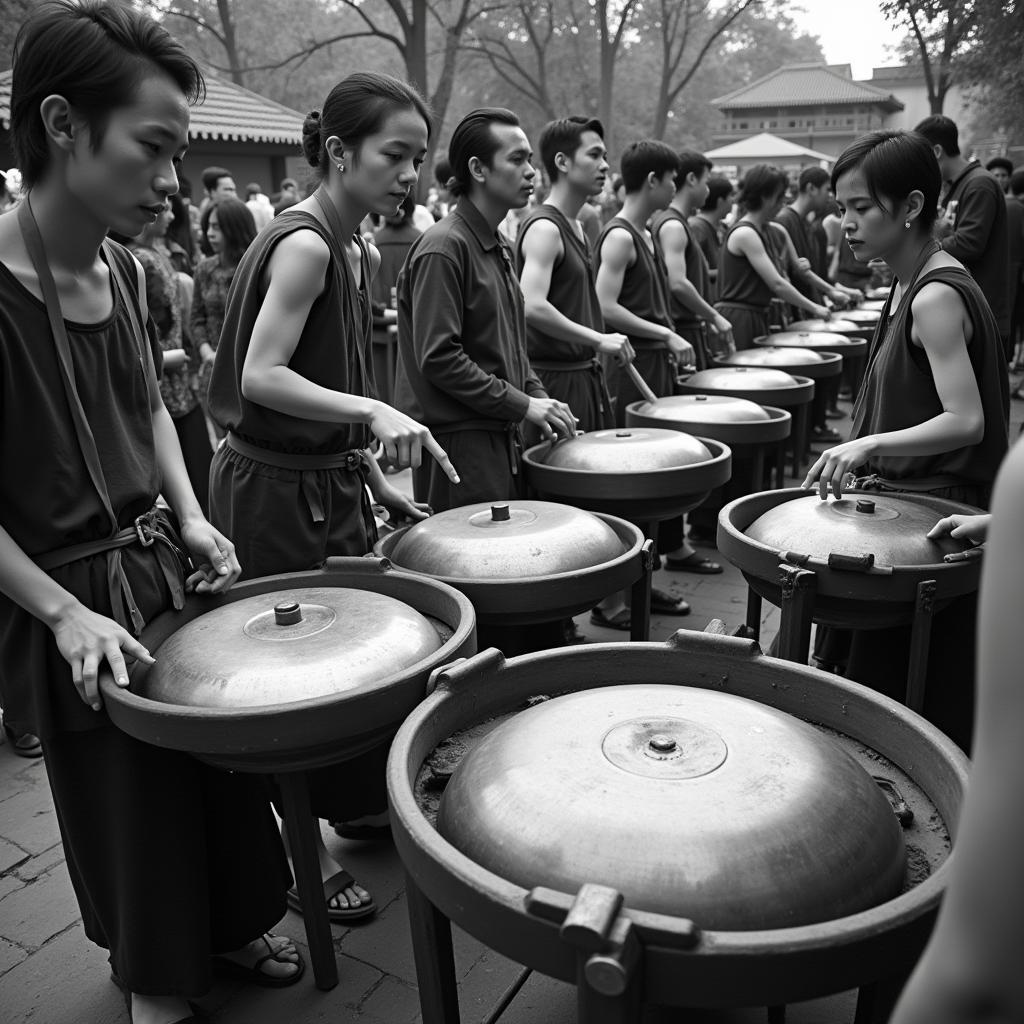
pixel 286 740
pixel 847 592
pixel 619 957
pixel 527 600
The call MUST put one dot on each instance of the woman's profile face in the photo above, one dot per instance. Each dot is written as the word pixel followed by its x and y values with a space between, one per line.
pixel 388 163
pixel 214 235
pixel 871 230
pixel 125 182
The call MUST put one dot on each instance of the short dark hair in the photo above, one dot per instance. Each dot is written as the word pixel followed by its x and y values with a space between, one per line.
pixel 1017 183
pixel 940 130
pixel 473 138
pixel 564 136
pixel 254 188
pixel 894 164
pixel 719 188
pixel 211 177
pixel 356 108
pixel 649 156
pixel 816 176
pixel 1000 163
pixel 761 183
pixel 236 224
pixel 94 54
pixel 442 171
pixel 691 162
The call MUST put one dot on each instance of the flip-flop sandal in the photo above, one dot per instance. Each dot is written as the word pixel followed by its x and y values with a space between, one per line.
pixel 224 966
pixel 693 563
pixel 370 833
pixel 663 603
pixel 620 620
pixel 338 882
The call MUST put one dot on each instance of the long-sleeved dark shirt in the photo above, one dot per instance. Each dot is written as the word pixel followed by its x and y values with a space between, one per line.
pixel 462 327
pixel 979 239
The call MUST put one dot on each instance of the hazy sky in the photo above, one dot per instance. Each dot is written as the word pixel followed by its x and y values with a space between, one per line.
pixel 851 32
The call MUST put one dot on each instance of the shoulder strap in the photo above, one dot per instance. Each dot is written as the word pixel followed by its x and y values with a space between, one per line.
pixel 86 441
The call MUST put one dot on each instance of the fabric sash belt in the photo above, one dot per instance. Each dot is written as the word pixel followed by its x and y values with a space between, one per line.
pixel 152 529
pixel 763 310
pixel 555 367
pixel 305 464
pixel 513 435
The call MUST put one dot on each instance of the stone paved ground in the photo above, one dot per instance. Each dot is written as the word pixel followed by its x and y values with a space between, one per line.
pixel 50 974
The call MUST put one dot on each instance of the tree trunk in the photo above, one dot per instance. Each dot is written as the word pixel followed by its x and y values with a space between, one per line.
pixel 416 47
pixel 230 41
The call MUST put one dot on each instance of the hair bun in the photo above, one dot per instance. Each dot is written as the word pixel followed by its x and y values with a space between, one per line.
pixel 311 138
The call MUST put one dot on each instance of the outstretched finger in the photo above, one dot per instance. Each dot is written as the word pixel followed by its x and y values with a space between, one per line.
pixel 442 458
pixel 942 527
pixel 813 473
pixel 90 672
pixel 115 659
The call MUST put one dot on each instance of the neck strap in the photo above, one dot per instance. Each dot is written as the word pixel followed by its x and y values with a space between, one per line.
pixel 86 441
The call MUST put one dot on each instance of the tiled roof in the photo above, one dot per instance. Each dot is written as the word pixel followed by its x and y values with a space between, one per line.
pixel 804 85
pixel 229 112
pixel 765 147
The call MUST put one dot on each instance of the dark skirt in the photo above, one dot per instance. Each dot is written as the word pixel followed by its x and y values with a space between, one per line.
pixel 657 369
pixel 488 463
pixel 585 392
pixel 747 323
pixel 266 512
pixel 171 860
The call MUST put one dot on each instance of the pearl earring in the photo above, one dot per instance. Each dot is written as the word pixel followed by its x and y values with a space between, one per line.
pixel 906 224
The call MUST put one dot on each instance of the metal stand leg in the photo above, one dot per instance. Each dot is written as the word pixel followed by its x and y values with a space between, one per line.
pixel 920 638
pixel 608 969
pixel 754 612
pixel 875 1002
pixel 640 596
pixel 798 587
pixel 780 465
pixel 303 831
pixel 799 436
pixel 435 958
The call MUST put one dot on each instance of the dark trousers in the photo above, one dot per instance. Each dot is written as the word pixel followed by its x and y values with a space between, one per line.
pixel 171 860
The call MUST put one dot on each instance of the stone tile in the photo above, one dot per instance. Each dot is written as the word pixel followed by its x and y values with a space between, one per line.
pixel 10 956
pixel 28 819
pixel 486 981
pixel 66 982
pixel 38 911
pixel 302 1004
pixel 46 861
pixel 9 883
pixel 384 942
pixel 10 855
pixel 393 1000
pixel 542 1000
